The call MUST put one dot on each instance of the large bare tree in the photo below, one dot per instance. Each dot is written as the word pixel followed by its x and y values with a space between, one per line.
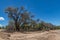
pixel 19 15
pixel 15 14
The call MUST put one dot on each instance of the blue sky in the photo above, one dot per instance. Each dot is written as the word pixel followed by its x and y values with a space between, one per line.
pixel 46 10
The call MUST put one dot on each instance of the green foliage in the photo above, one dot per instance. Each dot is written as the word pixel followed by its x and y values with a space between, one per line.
pixel 57 27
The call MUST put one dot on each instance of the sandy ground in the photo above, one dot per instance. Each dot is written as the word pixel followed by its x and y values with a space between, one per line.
pixel 47 35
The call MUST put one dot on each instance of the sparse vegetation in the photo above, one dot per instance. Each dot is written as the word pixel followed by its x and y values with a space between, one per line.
pixel 22 20
pixel 33 20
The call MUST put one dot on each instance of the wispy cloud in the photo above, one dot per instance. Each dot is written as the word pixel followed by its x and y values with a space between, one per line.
pixel 1 25
pixel 1 18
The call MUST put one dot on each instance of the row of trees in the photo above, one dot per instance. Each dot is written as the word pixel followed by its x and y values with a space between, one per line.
pixel 22 20
pixel 2 27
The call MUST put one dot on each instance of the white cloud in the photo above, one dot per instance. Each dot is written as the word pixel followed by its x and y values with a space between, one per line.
pixel 1 18
pixel 1 25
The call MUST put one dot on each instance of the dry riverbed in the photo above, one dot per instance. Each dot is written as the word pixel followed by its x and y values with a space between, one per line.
pixel 47 35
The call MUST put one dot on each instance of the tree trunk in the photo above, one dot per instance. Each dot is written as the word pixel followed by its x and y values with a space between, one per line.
pixel 17 26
